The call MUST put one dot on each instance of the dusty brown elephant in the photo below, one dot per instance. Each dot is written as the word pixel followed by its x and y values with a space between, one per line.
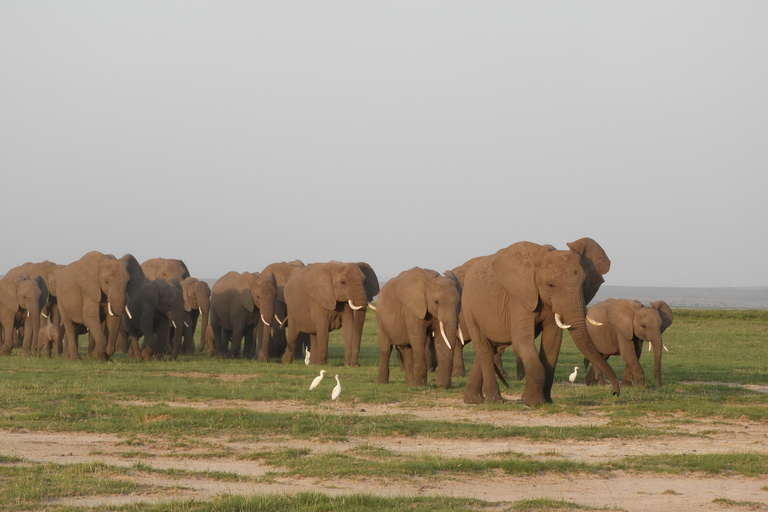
pixel 356 317
pixel 241 306
pixel 46 270
pixel 49 340
pixel 316 297
pixel 21 301
pixel 619 327
pixel 409 307
pixel 155 308
pixel 91 293
pixel 511 294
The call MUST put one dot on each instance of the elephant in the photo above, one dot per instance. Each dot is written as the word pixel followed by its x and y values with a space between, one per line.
pixel 92 293
pixel 47 270
pixel 241 303
pixel 197 304
pixel 197 296
pixel 410 306
pixel 155 308
pixel 49 338
pixel 317 297
pixel 275 346
pixel 21 301
pixel 619 326
pixel 520 290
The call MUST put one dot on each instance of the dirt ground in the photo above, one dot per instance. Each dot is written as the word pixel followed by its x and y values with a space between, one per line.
pixel 618 491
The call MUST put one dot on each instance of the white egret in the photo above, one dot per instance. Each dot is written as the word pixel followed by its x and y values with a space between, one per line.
pixel 316 381
pixel 337 389
pixel 306 356
pixel 572 377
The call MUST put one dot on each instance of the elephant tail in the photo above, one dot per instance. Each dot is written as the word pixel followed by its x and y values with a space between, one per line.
pixel 500 375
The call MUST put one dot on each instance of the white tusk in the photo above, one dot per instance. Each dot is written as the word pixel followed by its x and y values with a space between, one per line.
pixel 445 338
pixel 593 322
pixel 461 337
pixel 664 347
pixel 173 323
pixel 559 323
pixel 109 308
pixel 27 313
pixel 200 310
pixel 370 305
pixel 186 324
pixel 46 316
pixel 353 306
pixel 278 320
pixel 649 346
pixel 265 322
pixel 127 312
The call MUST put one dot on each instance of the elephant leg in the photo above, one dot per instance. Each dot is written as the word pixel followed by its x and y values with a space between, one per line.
pixel 632 369
pixel 385 353
pixel 520 368
pixel 551 339
pixel 535 376
pixel 249 346
pixel 293 335
pixel 8 337
pixel 444 364
pixel 458 361
pixel 473 393
pixel 237 341
pixel 406 352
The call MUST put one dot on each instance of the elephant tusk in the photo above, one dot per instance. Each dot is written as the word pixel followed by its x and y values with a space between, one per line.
pixel 594 322
pixel 46 316
pixel 173 323
pixel 278 320
pixel 370 305
pixel 461 337
pixel 264 320
pixel 559 323
pixel 109 308
pixel 445 338
pixel 353 306
pixel 664 347
pixel 127 312
pixel 200 310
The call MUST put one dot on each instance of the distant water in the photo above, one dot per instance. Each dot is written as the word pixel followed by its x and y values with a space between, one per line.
pixel 710 298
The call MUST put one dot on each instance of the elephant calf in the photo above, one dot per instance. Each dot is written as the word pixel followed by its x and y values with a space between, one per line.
pixel 409 307
pixel 49 336
pixel 619 327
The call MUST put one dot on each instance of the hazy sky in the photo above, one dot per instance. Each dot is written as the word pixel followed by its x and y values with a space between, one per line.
pixel 236 134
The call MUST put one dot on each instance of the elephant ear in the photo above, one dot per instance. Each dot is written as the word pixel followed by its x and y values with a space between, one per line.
pixel 320 286
pixel 595 263
pixel 44 291
pixel 411 289
pixel 8 296
pixel 243 291
pixel 515 269
pixel 136 274
pixel 184 270
pixel 450 275
pixel 186 286
pixel 89 281
pixel 371 280
pixel 664 312
pixel 621 315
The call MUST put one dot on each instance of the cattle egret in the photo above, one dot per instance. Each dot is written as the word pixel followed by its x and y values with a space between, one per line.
pixel 316 380
pixel 572 377
pixel 337 389
pixel 306 356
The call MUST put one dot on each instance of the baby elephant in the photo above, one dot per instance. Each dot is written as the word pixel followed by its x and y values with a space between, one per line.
pixel 619 326
pixel 49 336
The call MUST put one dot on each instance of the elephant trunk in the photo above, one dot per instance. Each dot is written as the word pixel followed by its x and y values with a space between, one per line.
pixel 32 323
pixel 575 318
pixel 657 345
pixel 449 327
pixel 113 329
pixel 176 317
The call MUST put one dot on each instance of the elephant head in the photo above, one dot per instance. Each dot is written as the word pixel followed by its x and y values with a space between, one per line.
pixel 197 301
pixel 339 282
pixel 22 299
pixel 165 269
pixel 257 291
pixel 627 323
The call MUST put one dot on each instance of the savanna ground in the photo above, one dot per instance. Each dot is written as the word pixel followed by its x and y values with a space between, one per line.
pixel 202 434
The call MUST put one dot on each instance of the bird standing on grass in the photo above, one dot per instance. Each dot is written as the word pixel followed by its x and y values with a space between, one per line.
pixel 572 377
pixel 306 356
pixel 316 380
pixel 337 389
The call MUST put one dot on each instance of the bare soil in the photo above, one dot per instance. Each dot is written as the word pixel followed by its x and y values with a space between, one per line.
pixel 615 491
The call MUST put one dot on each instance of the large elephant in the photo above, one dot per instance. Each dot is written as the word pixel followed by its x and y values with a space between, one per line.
pixel 316 297
pixel 165 269
pixel 409 307
pixel 21 301
pixel 511 295
pixel 240 304
pixel 356 317
pixel 619 326
pixel 47 270
pixel 155 308
pixel 275 346
pixel 91 293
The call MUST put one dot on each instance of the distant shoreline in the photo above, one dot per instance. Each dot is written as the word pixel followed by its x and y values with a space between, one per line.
pixel 753 297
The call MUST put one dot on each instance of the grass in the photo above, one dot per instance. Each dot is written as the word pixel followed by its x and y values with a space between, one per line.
pixel 713 354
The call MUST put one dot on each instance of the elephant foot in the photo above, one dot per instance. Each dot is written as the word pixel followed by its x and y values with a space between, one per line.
pixel 100 356
pixel 532 399
pixel 626 383
pixel 287 358
pixel 473 398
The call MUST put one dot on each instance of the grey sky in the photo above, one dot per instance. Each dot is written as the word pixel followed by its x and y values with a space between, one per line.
pixel 235 134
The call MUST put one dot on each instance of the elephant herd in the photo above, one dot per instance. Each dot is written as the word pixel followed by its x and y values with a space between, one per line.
pixel 521 292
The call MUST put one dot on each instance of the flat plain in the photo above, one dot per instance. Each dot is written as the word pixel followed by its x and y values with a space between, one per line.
pixel 207 434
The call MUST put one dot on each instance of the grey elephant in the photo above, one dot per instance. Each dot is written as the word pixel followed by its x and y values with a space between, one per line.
pixel 619 327
pixel 410 306
pixel 47 270
pixel 21 301
pixel 49 339
pixel 275 346
pixel 316 298
pixel 91 294
pixel 241 308
pixel 155 308
pixel 519 291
